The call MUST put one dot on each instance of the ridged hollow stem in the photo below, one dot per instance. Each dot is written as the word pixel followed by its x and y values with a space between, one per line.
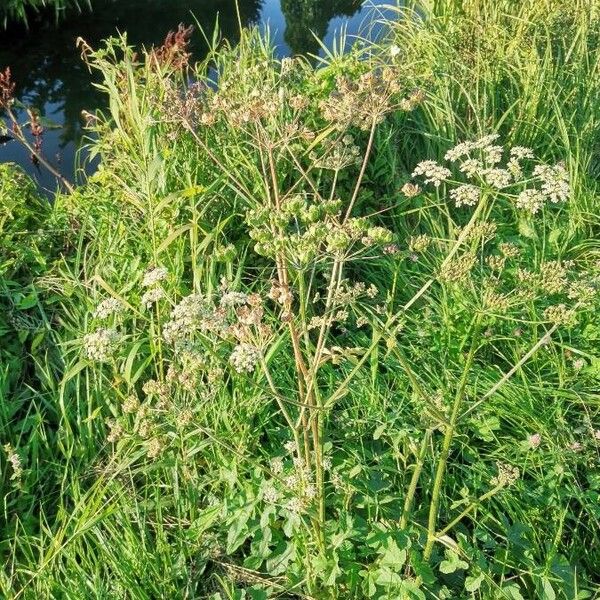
pixel 305 387
pixel 284 278
pixel 303 417
pixel 301 372
pixel 281 405
pixel 316 422
pixel 334 184
pixel 414 480
pixel 338 263
pixel 316 416
pixel 302 424
pixel 331 289
pixel 363 168
pixel 447 444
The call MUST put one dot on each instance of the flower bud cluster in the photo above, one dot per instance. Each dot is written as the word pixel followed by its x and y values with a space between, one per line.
pixel 305 230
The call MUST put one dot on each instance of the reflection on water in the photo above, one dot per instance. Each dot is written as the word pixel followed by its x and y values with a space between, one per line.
pixel 305 16
pixel 51 77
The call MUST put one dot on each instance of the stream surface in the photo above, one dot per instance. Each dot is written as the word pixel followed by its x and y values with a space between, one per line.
pixel 50 76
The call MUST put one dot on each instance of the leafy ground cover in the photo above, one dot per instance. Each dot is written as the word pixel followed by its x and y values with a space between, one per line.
pixel 315 331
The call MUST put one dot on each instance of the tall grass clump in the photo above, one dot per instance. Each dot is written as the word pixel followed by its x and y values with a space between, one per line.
pixel 529 71
pixel 319 332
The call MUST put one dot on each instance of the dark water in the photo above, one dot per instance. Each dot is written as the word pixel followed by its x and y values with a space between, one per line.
pixel 51 77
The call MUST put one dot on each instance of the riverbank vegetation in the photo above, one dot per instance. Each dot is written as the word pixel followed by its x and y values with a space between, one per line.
pixel 315 331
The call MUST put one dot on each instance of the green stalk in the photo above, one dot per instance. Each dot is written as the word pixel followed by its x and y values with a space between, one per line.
pixel 447 444
pixel 414 480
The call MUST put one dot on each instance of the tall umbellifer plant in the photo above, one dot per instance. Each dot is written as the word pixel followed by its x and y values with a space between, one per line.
pixel 288 148
pixel 289 141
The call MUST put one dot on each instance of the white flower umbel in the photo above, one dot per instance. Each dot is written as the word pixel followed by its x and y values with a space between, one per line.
pixel 555 182
pixel 154 276
pixel 434 173
pixel 498 178
pixel 100 345
pixel 233 299
pixel 244 358
pixel 521 152
pixel 530 200
pixel 471 167
pixel 460 150
pixel 465 195
pixel 108 307
pixel 152 296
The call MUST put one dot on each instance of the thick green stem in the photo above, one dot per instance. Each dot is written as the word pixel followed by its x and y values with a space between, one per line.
pixel 447 444
pixel 414 480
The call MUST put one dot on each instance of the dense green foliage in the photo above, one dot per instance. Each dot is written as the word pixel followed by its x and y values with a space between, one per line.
pixel 264 358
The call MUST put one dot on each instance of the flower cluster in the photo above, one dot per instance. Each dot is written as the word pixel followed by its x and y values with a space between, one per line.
pixel 154 388
pixel 458 269
pixel 433 172
pixel 361 102
pixel 292 485
pixel 419 243
pixel 108 307
pixel 231 299
pixel 348 293
pixel 530 200
pixel 15 462
pixel 152 296
pixel 517 154
pixel 193 313
pixel 154 276
pixel 244 358
pixel 507 475
pixel 484 231
pixel 100 345
pixel 116 431
pixel 337 154
pixel 498 178
pixel 553 276
pixel 465 195
pixel 304 228
pixel 410 190
pixel 559 314
pixel 247 95
pixel 130 404
pixel 479 160
pixel 555 182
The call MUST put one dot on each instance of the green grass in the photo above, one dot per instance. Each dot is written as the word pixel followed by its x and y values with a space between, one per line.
pixel 20 11
pixel 374 393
